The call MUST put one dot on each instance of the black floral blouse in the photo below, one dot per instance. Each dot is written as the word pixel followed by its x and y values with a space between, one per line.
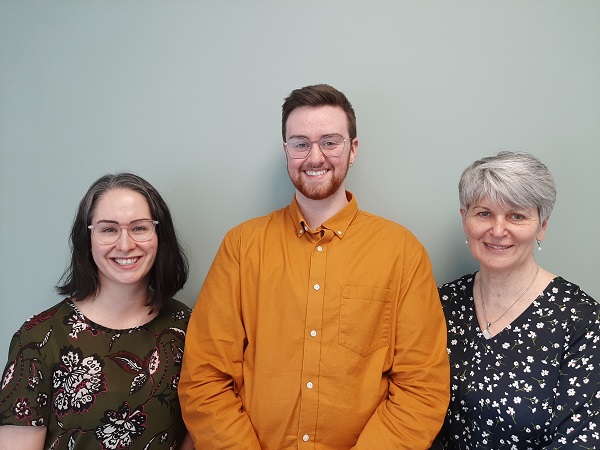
pixel 93 387
pixel 535 385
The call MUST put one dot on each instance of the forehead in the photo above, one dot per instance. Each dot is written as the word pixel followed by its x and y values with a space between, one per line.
pixel 315 121
pixel 499 204
pixel 121 203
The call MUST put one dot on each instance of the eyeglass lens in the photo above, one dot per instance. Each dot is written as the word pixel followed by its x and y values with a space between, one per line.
pixel 331 146
pixel 138 230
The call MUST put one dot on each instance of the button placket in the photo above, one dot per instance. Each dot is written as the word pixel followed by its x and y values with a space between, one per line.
pixel 313 324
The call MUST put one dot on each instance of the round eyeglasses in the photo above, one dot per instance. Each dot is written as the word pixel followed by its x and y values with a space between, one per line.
pixel 331 146
pixel 107 233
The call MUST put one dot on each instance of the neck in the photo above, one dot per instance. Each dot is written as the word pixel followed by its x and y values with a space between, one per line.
pixel 499 298
pixel 316 212
pixel 506 284
pixel 500 305
pixel 118 308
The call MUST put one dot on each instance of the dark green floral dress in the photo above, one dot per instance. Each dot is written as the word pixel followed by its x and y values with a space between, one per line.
pixel 93 387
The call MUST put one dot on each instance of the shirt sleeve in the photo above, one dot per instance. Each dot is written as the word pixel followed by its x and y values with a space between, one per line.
pixel 419 380
pixel 25 395
pixel 211 374
pixel 576 409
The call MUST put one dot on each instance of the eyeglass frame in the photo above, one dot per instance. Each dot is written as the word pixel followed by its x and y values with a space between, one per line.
pixel 154 223
pixel 318 142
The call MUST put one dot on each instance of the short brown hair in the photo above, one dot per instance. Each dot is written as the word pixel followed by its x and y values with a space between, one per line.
pixel 317 95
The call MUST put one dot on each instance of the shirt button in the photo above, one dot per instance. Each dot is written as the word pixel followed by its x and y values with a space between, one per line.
pixel 339 232
pixel 300 231
pixel 313 333
pixel 309 385
pixel 305 438
pixel 305 228
pixel 317 287
pixel 320 248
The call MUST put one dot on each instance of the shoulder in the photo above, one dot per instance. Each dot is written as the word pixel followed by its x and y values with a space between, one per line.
pixel 56 311
pixel 456 288
pixel 176 305
pixel 41 328
pixel 176 310
pixel 571 301
pixel 457 300
pixel 173 319
pixel 569 291
pixel 258 224
pixel 374 219
pixel 386 228
pixel 569 312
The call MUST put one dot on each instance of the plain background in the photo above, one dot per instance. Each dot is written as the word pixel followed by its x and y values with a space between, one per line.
pixel 187 94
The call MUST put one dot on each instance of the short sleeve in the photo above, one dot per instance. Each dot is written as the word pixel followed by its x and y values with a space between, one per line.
pixel 26 392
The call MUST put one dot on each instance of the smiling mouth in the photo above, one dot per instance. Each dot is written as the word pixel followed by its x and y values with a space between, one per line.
pixel 315 173
pixel 498 247
pixel 126 261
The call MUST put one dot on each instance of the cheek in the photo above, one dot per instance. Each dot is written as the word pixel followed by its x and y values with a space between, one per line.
pixel 293 165
pixel 473 229
pixel 468 228
pixel 97 252
pixel 150 247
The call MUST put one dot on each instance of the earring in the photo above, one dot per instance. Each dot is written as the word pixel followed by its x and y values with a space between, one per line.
pixel 466 239
pixel 539 245
pixel 351 165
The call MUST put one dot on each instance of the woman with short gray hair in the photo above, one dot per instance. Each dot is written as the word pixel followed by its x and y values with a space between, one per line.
pixel 523 343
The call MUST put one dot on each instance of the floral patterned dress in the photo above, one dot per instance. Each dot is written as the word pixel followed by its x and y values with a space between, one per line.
pixel 94 387
pixel 535 385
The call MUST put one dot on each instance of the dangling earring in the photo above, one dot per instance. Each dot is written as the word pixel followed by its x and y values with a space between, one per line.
pixel 539 245
pixel 466 239
pixel 351 165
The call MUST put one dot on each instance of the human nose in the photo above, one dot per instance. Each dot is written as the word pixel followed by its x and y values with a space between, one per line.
pixel 124 241
pixel 499 227
pixel 317 156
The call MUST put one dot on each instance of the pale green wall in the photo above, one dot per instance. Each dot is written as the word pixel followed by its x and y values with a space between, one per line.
pixel 188 95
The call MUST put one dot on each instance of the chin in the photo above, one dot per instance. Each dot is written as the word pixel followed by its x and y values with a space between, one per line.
pixel 320 192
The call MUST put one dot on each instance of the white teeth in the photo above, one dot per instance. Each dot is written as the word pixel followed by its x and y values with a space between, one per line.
pixel 314 173
pixel 498 247
pixel 126 262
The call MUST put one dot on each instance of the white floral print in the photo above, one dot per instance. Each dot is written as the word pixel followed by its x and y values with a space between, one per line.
pixel 532 386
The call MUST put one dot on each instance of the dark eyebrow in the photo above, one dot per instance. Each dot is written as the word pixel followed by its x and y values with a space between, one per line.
pixel 326 135
pixel 115 222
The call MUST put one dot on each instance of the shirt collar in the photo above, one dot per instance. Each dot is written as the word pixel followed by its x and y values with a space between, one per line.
pixel 339 223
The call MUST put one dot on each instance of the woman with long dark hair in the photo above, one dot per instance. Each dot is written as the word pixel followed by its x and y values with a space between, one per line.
pixel 100 369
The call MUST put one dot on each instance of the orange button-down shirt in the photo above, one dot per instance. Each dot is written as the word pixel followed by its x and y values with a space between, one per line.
pixel 331 338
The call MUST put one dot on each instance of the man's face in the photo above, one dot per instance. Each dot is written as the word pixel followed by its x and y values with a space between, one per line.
pixel 317 177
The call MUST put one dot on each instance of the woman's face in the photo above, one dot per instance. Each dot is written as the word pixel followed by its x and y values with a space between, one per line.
pixel 502 238
pixel 126 262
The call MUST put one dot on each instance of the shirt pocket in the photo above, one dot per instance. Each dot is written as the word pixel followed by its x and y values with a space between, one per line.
pixel 365 315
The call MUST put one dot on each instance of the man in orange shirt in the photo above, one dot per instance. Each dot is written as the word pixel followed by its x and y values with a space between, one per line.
pixel 319 325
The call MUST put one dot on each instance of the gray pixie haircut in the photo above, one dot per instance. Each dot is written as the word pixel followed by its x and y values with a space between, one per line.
pixel 512 179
